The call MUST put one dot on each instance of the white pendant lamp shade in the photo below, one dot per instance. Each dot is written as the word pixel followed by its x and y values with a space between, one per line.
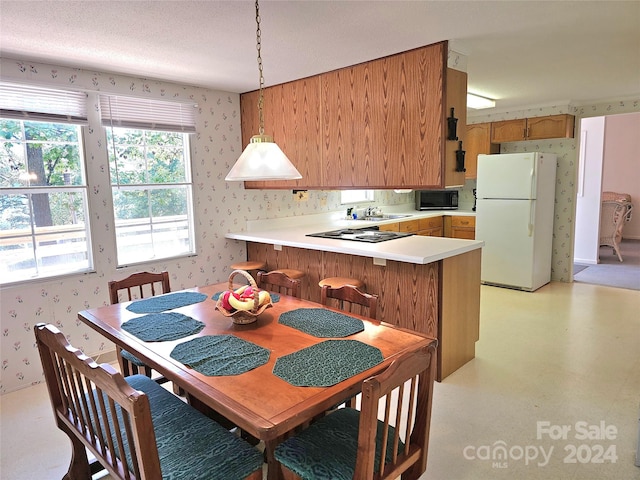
pixel 262 160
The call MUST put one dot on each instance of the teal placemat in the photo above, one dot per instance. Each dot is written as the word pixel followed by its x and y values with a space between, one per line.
pixel 274 297
pixel 162 327
pixel 166 302
pixel 220 355
pixel 327 363
pixel 322 323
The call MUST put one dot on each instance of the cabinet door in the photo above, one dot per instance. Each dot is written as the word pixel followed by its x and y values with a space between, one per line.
pixel 292 117
pixel 463 227
pixel 383 122
pixel 478 140
pixel 411 226
pixel 508 130
pixel 432 232
pixel 390 227
pixel 552 126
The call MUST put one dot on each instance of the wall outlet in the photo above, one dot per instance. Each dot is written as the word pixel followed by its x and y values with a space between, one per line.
pixel 301 195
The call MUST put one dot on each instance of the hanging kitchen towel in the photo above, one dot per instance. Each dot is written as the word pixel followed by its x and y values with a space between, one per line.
pixel 214 355
pixel 327 363
pixel 321 322
pixel 169 301
pixel 162 327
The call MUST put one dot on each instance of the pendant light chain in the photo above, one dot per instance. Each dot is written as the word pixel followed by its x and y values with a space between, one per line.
pixel 260 95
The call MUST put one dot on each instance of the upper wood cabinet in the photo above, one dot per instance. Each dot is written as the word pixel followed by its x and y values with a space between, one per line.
pixel 537 128
pixel 379 124
pixel 456 98
pixel 292 116
pixel 383 121
pixel 478 140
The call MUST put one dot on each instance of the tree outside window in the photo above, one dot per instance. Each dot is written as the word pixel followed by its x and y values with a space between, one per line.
pixel 152 194
pixel 43 200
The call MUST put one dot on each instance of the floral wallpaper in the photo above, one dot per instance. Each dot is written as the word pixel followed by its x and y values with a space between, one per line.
pixel 219 206
pixel 566 150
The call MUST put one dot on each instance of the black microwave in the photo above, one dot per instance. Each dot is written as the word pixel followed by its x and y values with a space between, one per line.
pixel 436 199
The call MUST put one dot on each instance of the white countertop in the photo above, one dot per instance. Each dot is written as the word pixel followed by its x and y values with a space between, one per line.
pixel 291 232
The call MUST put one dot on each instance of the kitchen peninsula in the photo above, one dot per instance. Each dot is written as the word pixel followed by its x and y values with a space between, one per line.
pixel 427 284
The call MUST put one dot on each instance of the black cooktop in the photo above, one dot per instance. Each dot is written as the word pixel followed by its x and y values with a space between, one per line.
pixel 370 235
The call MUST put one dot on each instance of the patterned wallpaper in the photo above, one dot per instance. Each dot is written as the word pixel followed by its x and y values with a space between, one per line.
pixel 220 207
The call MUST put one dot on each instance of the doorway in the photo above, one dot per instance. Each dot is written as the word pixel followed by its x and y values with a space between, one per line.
pixel 608 161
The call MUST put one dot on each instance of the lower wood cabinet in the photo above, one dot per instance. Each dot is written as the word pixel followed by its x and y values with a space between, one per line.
pixel 459 226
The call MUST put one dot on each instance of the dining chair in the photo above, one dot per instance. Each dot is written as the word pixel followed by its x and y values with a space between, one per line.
pixel 133 426
pixel 371 443
pixel 351 299
pixel 280 282
pixel 137 285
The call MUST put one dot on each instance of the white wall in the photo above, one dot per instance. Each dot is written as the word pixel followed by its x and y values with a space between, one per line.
pixel 622 163
pixel 589 187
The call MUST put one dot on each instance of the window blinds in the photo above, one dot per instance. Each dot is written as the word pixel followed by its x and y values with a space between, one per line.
pixel 147 114
pixel 26 102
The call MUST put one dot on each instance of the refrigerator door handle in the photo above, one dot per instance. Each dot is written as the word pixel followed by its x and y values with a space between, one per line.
pixel 532 183
pixel 531 217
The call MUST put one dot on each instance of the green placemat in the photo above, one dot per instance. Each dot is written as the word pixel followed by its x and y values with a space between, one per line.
pixel 220 355
pixel 166 302
pixel 162 327
pixel 327 363
pixel 322 323
pixel 274 297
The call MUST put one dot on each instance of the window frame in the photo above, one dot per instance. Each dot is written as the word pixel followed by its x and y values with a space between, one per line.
pixel 36 234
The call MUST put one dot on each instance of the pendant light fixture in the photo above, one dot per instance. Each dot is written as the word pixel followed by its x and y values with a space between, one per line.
pixel 262 159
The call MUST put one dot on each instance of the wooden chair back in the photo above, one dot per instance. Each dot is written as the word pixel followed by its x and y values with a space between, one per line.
pixel 351 299
pixel 407 389
pixel 82 391
pixel 279 282
pixel 145 284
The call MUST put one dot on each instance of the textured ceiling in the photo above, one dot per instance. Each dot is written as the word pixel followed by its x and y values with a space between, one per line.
pixel 523 53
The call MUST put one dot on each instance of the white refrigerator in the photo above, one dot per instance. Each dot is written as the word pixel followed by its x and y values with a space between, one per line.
pixel 514 217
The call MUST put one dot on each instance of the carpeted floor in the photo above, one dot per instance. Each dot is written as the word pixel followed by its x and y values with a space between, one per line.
pixel 610 271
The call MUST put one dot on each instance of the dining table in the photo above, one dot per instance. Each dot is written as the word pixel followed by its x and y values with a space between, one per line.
pixel 296 361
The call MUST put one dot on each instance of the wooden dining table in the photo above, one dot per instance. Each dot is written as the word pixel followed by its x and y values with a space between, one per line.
pixel 257 401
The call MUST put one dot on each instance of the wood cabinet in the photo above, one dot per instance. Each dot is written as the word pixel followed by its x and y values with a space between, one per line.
pixel 382 121
pixel 292 116
pixel 378 124
pixel 431 227
pixel 537 128
pixel 478 141
pixel 460 226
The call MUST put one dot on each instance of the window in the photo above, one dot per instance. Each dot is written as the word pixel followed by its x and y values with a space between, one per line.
pixel 44 227
pixel 356 196
pixel 150 167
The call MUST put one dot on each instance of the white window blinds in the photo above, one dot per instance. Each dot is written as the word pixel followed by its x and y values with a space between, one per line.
pixel 147 114
pixel 25 102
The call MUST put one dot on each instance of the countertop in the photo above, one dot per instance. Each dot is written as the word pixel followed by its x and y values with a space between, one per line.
pixel 291 232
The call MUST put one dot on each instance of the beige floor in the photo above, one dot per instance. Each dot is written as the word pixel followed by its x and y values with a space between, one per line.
pixel 567 355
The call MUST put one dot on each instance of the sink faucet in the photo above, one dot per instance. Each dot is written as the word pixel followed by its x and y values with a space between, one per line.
pixel 372 211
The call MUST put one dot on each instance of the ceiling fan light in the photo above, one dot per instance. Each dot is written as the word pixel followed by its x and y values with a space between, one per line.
pixel 262 160
pixel 478 102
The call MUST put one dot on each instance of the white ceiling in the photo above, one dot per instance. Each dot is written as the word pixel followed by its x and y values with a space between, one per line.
pixel 522 53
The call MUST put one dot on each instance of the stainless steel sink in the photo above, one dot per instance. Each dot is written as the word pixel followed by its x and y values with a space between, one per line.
pixel 378 218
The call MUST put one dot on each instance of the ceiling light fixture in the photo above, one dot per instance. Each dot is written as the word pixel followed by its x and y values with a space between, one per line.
pixel 477 102
pixel 262 159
